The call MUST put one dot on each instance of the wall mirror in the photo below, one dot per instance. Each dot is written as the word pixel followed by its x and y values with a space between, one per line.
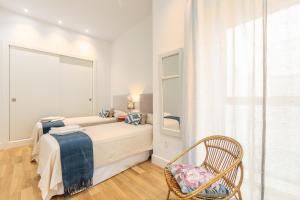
pixel 170 92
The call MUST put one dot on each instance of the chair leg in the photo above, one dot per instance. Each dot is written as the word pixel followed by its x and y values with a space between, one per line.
pixel 240 195
pixel 168 196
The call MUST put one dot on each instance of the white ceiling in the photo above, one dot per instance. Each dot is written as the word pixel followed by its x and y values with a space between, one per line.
pixel 104 19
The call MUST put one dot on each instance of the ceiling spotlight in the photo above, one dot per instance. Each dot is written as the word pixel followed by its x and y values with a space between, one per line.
pixel 59 22
pixel 26 10
pixel 86 30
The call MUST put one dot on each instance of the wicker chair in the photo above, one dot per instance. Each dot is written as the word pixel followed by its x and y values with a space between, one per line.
pixel 223 158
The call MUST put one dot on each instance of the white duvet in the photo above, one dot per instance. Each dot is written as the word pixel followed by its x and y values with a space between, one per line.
pixel 111 143
pixel 81 121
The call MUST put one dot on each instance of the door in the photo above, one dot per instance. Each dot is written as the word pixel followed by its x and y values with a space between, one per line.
pixel 76 86
pixel 44 84
pixel 33 90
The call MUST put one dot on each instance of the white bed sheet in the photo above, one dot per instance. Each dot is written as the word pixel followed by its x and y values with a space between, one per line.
pixel 111 143
pixel 105 172
pixel 81 121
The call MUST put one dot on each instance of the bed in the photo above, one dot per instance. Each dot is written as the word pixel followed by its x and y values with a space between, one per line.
pixel 81 121
pixel 116 146
pixel 119 104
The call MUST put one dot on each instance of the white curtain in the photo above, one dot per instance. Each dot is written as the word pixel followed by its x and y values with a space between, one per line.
pixel 223 79
pixel 189 78
pixel 283 101
pixel 223 87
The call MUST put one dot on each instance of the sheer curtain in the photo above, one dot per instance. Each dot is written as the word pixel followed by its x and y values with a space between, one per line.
pixel 224 86
pixel 225 57
pixel 282 172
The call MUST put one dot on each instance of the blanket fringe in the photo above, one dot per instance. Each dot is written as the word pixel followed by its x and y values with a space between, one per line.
pixel 74 189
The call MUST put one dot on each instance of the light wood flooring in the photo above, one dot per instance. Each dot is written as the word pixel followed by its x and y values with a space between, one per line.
pixel 19 181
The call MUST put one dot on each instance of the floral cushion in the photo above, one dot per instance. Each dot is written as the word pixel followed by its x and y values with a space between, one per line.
pixel 191 177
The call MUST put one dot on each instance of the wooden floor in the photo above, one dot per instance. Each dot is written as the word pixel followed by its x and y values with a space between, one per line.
pixel 18 180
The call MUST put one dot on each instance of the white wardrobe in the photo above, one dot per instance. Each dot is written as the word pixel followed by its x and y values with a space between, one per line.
pixel 44 84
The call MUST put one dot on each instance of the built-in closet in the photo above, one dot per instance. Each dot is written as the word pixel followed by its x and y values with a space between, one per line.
pixel 45 84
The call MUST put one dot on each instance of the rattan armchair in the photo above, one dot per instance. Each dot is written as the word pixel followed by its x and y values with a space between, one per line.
pixel 223 158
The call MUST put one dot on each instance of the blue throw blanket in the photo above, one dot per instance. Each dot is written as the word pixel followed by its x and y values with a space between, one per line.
pixel 48 125
pixel 173 117
pixel 77 161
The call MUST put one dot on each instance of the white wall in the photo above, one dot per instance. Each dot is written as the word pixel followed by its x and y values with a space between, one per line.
pixel 36 34
pixel 168 29
pixel 131 71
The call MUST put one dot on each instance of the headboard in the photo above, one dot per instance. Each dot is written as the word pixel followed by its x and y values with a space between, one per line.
pixel 145 105
pixel 120 102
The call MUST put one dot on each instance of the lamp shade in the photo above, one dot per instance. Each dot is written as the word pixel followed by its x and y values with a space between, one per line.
pixel 130 105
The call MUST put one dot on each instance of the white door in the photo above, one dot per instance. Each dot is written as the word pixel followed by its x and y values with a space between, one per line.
pixel 42 85
pixel 34 91
pixel 76 87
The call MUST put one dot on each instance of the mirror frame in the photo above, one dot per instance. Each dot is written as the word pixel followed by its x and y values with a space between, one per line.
pixel 166 131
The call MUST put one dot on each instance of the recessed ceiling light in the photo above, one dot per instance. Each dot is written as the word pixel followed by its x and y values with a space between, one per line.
pixel 86 30
pixel 59 22
pixel 26 10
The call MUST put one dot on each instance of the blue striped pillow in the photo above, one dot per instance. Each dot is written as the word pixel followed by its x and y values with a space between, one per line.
pixel 104 113
pixel 133 118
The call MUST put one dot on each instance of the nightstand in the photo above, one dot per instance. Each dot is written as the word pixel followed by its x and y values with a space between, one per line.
pixel 122 118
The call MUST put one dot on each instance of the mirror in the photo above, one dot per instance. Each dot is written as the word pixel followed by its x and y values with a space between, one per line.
pixel 171 92
pixel 170 65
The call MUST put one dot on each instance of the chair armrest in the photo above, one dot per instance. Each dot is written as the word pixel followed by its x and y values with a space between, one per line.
pixel 185 152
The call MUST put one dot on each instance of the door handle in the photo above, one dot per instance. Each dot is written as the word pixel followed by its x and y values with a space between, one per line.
pixel 90 99
pixel 13 99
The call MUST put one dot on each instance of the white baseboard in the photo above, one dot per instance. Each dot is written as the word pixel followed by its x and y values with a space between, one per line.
pixel 2 146
pixel 17 143
pixel 157 160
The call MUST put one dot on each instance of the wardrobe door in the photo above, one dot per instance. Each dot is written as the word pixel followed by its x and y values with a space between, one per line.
pixel 76 87
pixel 34 84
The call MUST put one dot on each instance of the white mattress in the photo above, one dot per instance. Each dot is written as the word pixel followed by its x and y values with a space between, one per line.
pixel 111 143
pixel 82 121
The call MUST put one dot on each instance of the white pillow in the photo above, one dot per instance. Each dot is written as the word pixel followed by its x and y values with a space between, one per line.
pixel 119 113
pixel 167 114
pixel 149 118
